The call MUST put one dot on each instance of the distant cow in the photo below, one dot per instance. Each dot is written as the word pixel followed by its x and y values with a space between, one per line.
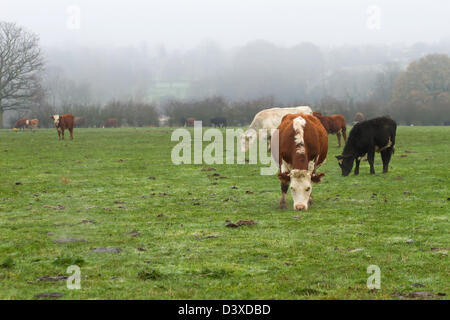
pixel 21 123
pixel 219 122
pixel 303 148
pixel 358 117
pixel 189 122
pixel 62 122
pixel 268 119
pixel 368 137
pixel 79 122
pixel 334 124
pixel 110 123
pixel 32 124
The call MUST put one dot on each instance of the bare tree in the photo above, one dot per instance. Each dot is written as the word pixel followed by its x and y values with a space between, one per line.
pixel 20 60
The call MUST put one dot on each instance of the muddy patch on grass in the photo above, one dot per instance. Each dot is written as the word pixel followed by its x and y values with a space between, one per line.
pixel 418 295
pixel 133 233
pixel 240 223
pixel 69 240
pixel 57 207
pixel 52 278
pixel 48 295
pixel 106 250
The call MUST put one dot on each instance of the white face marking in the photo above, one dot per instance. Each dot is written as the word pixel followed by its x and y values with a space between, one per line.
pixel 301 187
pixel 56 119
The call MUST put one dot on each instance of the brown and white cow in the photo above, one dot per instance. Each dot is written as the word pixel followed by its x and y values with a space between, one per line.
pixel 302 149
pixel 21 123
pixel 110 123
pixel 62 122
pixel 32 124
pixel 189 122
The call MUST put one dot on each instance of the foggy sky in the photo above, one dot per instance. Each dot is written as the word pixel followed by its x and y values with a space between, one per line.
pixel 181 24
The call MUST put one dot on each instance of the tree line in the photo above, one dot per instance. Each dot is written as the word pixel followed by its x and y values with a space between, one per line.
pixel 259 75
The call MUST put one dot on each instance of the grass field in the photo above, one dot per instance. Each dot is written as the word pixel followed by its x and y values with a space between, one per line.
pixel 117 188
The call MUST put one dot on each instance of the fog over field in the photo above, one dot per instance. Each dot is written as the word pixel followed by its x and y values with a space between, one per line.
pixel 286 52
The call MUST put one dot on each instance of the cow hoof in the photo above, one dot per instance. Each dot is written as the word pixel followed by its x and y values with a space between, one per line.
pixel 282 206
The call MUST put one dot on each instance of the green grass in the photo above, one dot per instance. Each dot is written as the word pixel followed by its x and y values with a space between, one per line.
pixel 109 183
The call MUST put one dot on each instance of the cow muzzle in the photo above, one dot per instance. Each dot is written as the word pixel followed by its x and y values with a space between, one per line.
pixel 300 207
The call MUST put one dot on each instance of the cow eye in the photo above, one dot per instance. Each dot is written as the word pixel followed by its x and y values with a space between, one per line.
pixel 307 189
pixel 292 188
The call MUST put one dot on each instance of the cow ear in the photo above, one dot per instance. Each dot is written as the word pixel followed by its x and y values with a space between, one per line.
pixel 284 177
pixel 316 177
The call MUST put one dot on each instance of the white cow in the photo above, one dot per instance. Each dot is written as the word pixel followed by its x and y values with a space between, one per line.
pixel 268 119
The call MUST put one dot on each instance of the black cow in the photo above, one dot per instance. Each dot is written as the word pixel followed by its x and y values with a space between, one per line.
pixel 368 137
pixel 219 122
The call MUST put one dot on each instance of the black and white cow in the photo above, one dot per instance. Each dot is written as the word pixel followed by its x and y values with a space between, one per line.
pixel 366 138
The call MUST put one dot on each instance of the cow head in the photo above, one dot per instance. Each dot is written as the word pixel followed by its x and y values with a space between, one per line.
pixel 301 187
pixel 55 119
pixel 247 138
pixel 346 163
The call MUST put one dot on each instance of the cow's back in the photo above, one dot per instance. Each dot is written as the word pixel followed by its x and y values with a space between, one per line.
pixel 271 118
pixel 68 120
pixel 378 131
pixel 315 137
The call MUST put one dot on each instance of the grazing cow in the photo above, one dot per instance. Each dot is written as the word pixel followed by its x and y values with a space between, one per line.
pixel 368 137
pixel 303 148
pixel 79 122
pixel 31 124
pixel 334 124
pixel 110 123
pixel 62 122
pixel 189 122
pixel 219 122
pixel 268 119
pixel 358 117
pixel 21 123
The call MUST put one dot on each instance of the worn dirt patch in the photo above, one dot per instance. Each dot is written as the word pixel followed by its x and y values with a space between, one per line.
pixel 48 295
pixel 106 250
pixel 69 240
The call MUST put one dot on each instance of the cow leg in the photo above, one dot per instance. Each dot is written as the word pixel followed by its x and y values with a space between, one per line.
pixel 62 133
pixel 339 138
pixel 284 189
pixel 357 161
pixel 371 158
pixel 386 157
pixel 59 133
pixel 71 133
pixel 344 133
